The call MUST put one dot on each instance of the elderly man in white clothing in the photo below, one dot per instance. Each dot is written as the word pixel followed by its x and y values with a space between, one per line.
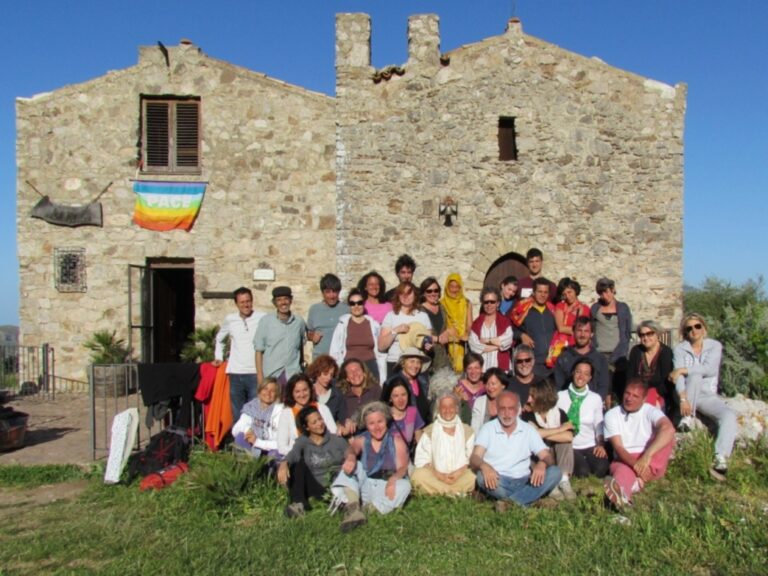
pixel 642 438
pixel 502 458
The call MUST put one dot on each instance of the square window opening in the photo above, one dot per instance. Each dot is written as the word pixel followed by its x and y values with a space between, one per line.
pixel 69 269
pixel 170 135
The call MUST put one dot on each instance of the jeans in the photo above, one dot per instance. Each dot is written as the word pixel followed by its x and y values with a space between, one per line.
pixel 371 490
pixel 520 490
pixel 242 389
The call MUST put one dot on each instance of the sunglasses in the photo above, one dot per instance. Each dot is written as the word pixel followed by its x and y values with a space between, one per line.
pixel 689 329
pixel 432 291
pixel 356 302
pixel 486 302
pixel 523 360
pixel 644 334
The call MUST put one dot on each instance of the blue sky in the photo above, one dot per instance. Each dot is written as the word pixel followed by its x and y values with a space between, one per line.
pixel 719 49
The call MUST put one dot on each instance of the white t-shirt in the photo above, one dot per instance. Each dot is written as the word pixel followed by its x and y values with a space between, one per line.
pixel 635 428
pixel 590 418
pixel 392 320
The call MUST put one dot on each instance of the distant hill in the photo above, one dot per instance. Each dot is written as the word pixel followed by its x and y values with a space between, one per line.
pixel 9 335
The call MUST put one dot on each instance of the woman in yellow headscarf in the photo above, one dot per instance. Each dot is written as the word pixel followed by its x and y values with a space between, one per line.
pixel 458 311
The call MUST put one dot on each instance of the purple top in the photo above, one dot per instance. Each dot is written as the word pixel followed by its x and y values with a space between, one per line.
pixel 408 425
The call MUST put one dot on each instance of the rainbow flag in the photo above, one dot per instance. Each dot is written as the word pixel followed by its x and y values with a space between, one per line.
pixel 165 206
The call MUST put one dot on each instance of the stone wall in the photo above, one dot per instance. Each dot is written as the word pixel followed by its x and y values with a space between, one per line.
pixel 598 184
pixel 268 156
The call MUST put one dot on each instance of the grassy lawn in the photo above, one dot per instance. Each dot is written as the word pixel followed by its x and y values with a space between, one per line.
pixel 223 518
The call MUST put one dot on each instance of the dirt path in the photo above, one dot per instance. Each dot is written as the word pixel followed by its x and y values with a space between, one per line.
pixel 58 431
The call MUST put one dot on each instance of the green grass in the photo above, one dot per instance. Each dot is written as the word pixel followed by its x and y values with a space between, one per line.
pixel 225 518
pixel 31 476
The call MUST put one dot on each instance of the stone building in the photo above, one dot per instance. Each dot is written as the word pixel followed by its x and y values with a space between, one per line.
pixel 530 144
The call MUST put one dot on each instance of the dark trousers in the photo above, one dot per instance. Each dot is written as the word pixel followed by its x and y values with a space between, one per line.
pixel 302 485
pixel 585 463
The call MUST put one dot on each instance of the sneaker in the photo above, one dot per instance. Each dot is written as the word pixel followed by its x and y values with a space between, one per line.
pixel 295 510
pixel 353 517
pixel 567 490
pixel 557 494
pixel 614 493
pixel 719 468
pixel 686 424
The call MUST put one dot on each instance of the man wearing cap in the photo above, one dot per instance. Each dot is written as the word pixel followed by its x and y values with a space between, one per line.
pixel 239 327
pixel 279 339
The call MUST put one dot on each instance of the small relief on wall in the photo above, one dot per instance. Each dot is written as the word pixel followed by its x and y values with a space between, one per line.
pixel 164 206
pixel 89 214
pixel 69 269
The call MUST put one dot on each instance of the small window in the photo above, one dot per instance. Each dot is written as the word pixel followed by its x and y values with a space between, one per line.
pixel 170 135
pixel 507 142
pixel 69 269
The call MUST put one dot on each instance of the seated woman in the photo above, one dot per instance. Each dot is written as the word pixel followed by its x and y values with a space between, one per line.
pixel 491 333
pixel 405 418
pixel 413 372
pixel 470 387
pixel 404 326
pixel 373 288
pixel 567 309
pixel 651 361
pixel 484 410
pixel 298 394
pixel 356 337
pixel 585 411
pixel 557 432
pixel 458 316
pixel 316 458
pixel 375 470
pixel 696 374
pixel 429 302
pixel 442 454
pixel 256 429
pixel 322 373
pixel 358 387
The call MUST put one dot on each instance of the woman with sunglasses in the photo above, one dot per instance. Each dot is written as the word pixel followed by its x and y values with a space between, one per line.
pixel 491 333
pixel 651 362
pixel 430 304
pixel 356 337
pixel 696 372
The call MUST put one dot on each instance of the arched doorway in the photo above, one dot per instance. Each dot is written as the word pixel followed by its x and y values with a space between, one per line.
pixel 510 264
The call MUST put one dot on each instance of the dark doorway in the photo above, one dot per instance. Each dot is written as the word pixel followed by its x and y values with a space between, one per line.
pixel 511 264
pixel 173 306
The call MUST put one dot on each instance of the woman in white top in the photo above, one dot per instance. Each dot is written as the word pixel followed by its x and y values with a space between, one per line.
pixel 356 337
pixel 585 411
pixel 256 429
pixel 491 332
pixel 404 319
pixel 484 409
pixel 298 394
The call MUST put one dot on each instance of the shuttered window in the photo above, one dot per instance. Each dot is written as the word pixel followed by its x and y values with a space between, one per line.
pixel 171 135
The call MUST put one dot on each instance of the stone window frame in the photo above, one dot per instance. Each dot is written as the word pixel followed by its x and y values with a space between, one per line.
pixel 69 269
pixel 507 139
pixel 171 135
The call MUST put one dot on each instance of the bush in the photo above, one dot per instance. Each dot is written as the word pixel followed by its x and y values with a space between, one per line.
pixel 738 317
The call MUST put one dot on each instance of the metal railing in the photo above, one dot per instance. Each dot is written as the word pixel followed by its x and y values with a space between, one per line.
pixel 29 370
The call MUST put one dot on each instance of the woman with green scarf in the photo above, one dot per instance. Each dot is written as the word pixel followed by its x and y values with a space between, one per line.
pixel 458 316
pixel 585 412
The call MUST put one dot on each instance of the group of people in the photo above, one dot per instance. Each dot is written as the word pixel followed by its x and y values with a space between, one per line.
pixel 409 390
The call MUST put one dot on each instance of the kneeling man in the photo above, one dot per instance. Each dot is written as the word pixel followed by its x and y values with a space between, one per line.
pixel 502 457
pixel 642 438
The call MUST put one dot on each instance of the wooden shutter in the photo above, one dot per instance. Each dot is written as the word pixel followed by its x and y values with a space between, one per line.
pixel 187 135
pixel 156 135
pixel 171 135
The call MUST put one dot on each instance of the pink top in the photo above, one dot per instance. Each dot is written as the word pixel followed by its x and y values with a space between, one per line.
pixel 378 311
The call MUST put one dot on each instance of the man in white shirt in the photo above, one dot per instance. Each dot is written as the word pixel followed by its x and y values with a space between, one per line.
pixel 642 438
pixel 239 327
pixel 502 457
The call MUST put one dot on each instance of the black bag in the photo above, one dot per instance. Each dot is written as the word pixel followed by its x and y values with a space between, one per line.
pixel 167 447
